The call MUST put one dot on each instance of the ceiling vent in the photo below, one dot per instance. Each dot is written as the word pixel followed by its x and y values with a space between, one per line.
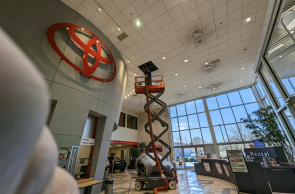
pixel 148 65
pixel 122 36
pixel 198 34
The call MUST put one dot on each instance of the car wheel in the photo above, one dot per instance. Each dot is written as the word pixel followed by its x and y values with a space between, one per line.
pixel 172 185
pixel 138 186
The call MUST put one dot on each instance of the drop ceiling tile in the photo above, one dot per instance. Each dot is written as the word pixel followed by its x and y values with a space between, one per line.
pixel 205 8
pixel 207 19
pixel 180 23
pixel 220 12
pixel 192 16
pixel 175 12
pixel 158 8
pixel 235 25
pixel 112 26
pixel 129 28
pixel 91 5
pixel 71 3
pixel 187 6
pixel 142 44
pixel 130 12
pixel 135 36
pixel 121 19
pixel 169 29
pixel 83 11
pixel 95 21
pixel 111 8
pixel 148 16
pixel 127 42
pixel 164 19
pixel 170 3
pixel 219 3
pixel 159 34
pixel 150 39
pixel 154 26
pixel 102 16
pixel 252 7
pixel 140 5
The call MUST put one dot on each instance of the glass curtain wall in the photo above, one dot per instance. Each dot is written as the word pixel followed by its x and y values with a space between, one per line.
pixel 276 70
pixel 190 127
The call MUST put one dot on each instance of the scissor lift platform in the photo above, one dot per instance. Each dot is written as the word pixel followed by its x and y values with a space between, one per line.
pixel 156 84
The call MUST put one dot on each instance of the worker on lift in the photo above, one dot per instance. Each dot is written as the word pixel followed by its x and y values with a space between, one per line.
pixel 148 73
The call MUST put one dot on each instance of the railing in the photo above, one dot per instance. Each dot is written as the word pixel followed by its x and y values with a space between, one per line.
pixel 153 80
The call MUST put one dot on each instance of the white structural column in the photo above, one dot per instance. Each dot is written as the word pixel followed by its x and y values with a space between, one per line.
pixel 211 128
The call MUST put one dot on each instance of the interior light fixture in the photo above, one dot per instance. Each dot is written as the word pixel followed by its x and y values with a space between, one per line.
pixel 171 99
pixel 133 90
pixel 206 63
pixel 99 9
pixel 241 81
pixel 175 74
pixel 97 41
pixel 128 61
pixel 138 23
pixel 248 19
pixel 185 60
pixel 200 86
pixel 67 28
pixel 292 31
pixel 82 28
pixel 184 86
pixel 191 94
pixel 214 88
pixel 243 67
pixel 281 56
pixel 119 29
pixel 128 95
pixel 276 48
pixel 135 74
pixel 164 58
pixel 125 97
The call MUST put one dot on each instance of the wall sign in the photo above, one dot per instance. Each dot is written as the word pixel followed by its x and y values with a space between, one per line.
pixel 218 167
pixel 88 51
pixel 124 142
pixel 237 161
pixel 226 170
pixel 87 141
pixel 207 166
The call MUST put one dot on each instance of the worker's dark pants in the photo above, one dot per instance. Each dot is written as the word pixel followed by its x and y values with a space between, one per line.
pixel 149 81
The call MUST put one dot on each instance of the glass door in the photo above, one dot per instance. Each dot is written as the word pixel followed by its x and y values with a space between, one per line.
pixel 190 157
pixel 179 162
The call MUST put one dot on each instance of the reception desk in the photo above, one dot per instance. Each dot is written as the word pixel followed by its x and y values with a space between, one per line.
pixel 215 168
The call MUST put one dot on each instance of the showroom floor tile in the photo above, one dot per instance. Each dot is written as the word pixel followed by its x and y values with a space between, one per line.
pixel 189 183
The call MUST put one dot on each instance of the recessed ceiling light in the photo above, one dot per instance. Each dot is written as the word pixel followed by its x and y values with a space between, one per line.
pixel 241 81
pixel 214 88
pixel 175 74
pixel 243 67
pixel 292 31
pixel 248 19
pixel 200 86
pixel 128 61
pixel 125 96
pixel 138 23
pixel 171 99
pixel 276 48
pixel 99 9
pixel 164 57
pixel 119 29
pixel 185 60
pixel 82 28
pixel 281 56
pixel 128 95
pixel 184 86
pixel 206 63
pixel 67 28
pixel 191 94
pixel 135 74
pixel 133 90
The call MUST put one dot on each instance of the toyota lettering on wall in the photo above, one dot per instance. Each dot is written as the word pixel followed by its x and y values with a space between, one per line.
pixel 88 49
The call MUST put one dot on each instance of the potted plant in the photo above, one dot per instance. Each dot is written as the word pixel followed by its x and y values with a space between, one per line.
pixel 265 126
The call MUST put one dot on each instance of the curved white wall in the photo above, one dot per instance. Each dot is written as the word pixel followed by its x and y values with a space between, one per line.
pixel 27 23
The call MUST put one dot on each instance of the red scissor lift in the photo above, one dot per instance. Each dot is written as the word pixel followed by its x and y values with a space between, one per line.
pixel 150 86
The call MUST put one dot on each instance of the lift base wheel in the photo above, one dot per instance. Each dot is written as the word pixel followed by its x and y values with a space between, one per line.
pixel 172 185
pixel 138 186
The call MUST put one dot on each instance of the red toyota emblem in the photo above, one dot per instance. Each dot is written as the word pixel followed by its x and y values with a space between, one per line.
pixel 87 70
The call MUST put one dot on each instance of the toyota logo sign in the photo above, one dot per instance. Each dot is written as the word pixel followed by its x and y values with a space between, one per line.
pixel 86 48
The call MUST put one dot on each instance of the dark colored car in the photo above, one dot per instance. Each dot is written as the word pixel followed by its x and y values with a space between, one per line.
pixel 120 165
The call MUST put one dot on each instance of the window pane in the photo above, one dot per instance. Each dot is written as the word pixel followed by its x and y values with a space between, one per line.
pixel 190 107
pixel 246 133
pixel 292 80
pixel 288 86
pixel 222 101
pixel 218 134
pixel 122 120
pixel 183 123
pixel 196 136
pixel 185 137
pixel 252 107
pixel 172 112
pixel 176 139
pixel 222 150
pixel 233 133
pixel 181 110
pixel 174 124
pixel 239 112
pixel 206 135
pixel 203 120
pixel 131 122
pixel 227 116
pixel 234 98
pixel 237 146
pixel 178 157
pixel 247 95
pixel 224 133
pixel 193 121
pixel 200 105
pixel 216 117
pixel 212 103
pixel 190 156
